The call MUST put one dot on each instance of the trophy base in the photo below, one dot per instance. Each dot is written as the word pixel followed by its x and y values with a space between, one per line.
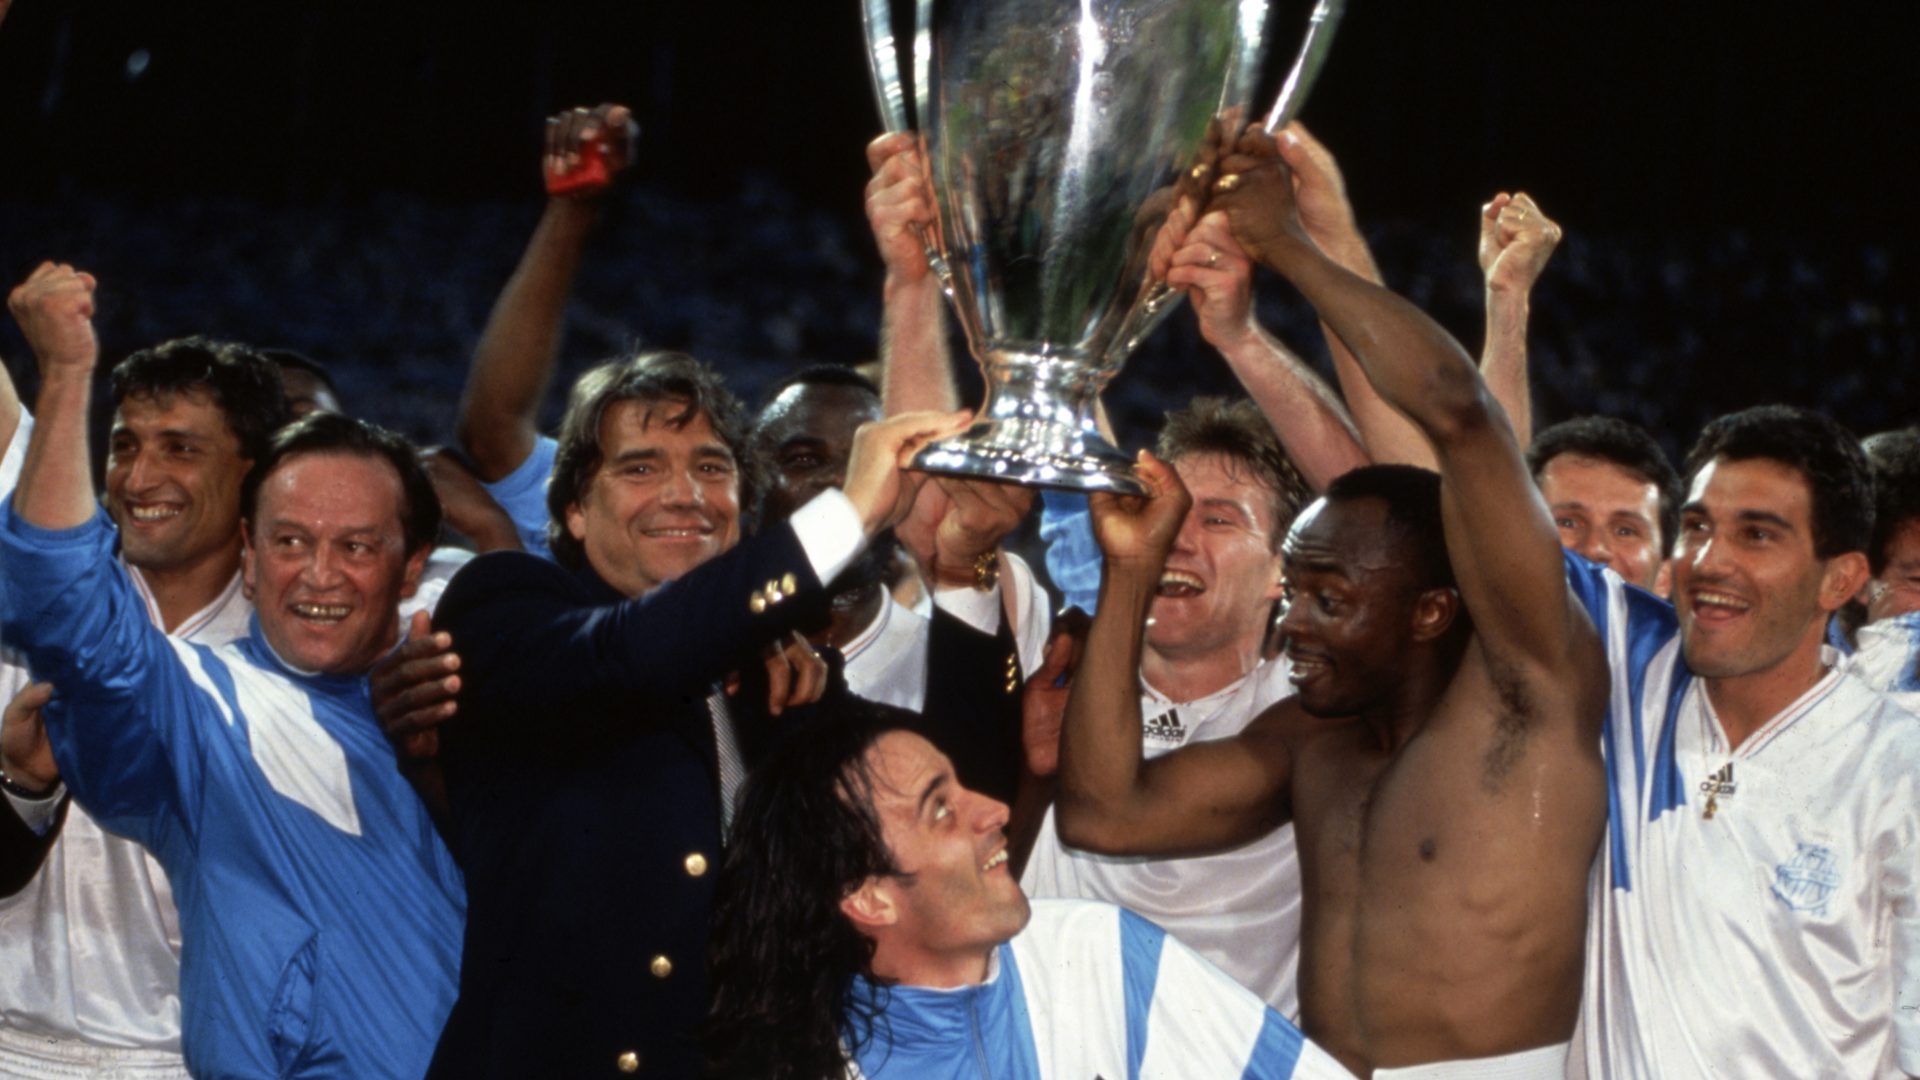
pixel 1013 452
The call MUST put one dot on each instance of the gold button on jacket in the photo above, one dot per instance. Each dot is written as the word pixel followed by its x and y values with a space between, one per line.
pixel 661 967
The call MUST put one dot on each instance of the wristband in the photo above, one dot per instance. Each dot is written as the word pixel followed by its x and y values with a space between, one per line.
pixel 20 791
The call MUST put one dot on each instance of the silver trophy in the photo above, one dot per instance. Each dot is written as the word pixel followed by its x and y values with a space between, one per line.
pixel 1058 134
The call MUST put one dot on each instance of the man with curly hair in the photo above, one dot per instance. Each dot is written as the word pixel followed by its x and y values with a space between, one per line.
pixel 867 926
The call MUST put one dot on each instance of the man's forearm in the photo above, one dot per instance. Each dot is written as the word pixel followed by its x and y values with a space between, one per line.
pixel 1413 364
pixel 56 486
pixel 1314 427
pixel 1503 364
pixel 1386 435
pixel 515 358
pixel 916 370
pixel 529 646
pixel 1100 739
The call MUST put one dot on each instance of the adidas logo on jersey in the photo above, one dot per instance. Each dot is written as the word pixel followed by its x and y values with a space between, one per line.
pixel 1720 783
pixel 1167 728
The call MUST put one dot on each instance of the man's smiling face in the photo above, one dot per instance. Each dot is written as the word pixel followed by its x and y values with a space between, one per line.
pixel 1223 574
pixel 955 894
pixel 1746 582
pixel 173 480
pixel 327 562
pixel 665 499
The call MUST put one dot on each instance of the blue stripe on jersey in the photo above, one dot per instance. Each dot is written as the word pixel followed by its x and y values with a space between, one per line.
pixel 1668 791
pixel 1650 625
pixel 1906 629
pixel 1276 1051
pixel 222 680
pixel 1837 636
pixel 1616 832
pixel 1027 1059
pixel 1590 588
pixel 1140 945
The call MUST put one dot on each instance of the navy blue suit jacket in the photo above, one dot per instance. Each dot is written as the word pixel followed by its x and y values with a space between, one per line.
pixel 585 802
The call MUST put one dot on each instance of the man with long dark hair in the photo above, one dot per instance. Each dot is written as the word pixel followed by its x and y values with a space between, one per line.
pixel 867 925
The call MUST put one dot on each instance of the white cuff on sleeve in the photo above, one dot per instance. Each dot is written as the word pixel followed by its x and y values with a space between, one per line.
pixel 830 533
pixel 1032 619
pixel 980 610
pixel 38 814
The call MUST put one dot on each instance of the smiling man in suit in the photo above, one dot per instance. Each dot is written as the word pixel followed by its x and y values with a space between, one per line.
pixel 594 764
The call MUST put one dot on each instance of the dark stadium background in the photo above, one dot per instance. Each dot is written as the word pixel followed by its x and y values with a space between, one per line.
pixel 355 180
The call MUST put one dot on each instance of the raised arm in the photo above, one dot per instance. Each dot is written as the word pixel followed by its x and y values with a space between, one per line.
pixel 916 370
pixel 1516 240
pixel 1304 411
pixel 1505 552
pixel 126 711
pixel 1201 797
pixel 514 361
pixel 1321 193
pixel 528 646
pixel 54 308
pixel 10 406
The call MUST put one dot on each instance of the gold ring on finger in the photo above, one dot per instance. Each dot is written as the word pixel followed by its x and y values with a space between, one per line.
pixel 1227 182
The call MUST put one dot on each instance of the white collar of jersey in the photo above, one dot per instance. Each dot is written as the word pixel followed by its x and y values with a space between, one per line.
pixel 1154 695
pixel 193 623
pixel 1714 738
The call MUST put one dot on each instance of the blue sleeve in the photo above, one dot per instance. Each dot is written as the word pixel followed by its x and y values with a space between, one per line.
pixel 522 493
pixel 1073 557
pixel 121 721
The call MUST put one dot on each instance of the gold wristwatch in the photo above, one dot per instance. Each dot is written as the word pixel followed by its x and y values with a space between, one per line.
pixel 986 570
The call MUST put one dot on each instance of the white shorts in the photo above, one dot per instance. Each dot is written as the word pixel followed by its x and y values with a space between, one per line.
pixel 40 1057
pixel 1546 1063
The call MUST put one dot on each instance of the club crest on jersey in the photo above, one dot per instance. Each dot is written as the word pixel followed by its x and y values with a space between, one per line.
pixel 1808 880
pixel 1167 728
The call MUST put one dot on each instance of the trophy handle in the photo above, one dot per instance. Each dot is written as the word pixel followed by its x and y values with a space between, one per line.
pixel 883 63
pixel 889 92
pixel 1160 297
pixel 1313 56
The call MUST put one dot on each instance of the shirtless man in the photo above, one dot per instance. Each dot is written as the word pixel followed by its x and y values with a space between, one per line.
pixel 1444 778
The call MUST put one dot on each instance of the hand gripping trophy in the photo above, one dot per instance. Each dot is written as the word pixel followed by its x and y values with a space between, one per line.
pixel 1058 136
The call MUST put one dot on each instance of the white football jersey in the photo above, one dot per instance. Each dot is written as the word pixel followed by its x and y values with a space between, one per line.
pixel 1241 908
pixel 1752 912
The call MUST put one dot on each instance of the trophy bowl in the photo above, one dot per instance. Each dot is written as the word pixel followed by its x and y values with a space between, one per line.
pixel 1058 135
